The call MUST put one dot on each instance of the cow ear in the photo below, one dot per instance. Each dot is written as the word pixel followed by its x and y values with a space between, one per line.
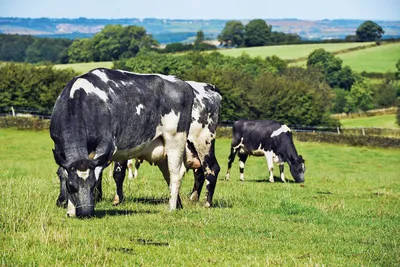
pixel 60 160
pixel 301 159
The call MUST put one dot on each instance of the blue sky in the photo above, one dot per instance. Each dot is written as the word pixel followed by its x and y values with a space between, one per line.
pixel 204 9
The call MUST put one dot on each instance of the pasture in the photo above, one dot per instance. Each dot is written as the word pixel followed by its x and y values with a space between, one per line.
pixel 379 121
pixel 371 59
pixel 346 214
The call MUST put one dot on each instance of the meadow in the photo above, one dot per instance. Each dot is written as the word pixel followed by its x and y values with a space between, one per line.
pixel 346 213
pixel 379 121
pixel 371 59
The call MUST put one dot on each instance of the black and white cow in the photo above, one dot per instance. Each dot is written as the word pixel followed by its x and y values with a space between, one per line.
pixel 111 115
pixel 200 146
pixel 265 138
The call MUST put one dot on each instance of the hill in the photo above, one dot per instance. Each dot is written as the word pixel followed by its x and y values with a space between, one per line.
pixel 169 30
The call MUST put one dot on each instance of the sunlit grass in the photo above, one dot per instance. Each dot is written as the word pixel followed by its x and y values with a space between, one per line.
pixel 379 121
pixel 346 214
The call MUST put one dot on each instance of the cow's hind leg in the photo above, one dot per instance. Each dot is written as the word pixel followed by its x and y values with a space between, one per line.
pixel 212 171
pixel 198 184
pixel 119 177
pixel 242 162
pixel 163 166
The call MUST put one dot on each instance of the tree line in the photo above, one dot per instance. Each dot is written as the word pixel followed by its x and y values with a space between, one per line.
pixel 253 88
pixel 116 42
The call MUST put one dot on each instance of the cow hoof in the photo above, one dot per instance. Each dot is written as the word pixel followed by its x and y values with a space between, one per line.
pixel 271 181
pixel 116 201
pixel 207 205
pixel 194 196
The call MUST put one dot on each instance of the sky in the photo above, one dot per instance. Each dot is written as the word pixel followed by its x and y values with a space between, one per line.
pixel 204 9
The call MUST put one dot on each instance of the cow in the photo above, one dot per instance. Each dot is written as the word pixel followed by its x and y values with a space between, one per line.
pixel 112 115
pixel 265 138
pixel 200 145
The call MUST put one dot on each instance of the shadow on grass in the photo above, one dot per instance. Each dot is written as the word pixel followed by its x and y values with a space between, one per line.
pixel 103 213
pixel 222 204
pixel 276 179
pixel 147 200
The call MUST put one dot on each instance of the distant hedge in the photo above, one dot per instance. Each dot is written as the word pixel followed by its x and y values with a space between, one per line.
pixel 24 123
pixel 226 132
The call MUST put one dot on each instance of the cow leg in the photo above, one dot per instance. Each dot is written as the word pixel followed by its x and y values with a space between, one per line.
pixel 198 184
pixel 269 156
pixel 212 171
pixel 62 199
pixel 98 190
pixel 163 166
pixel 281 166
pixel 119 177
pixel 231 158
pixel 242 161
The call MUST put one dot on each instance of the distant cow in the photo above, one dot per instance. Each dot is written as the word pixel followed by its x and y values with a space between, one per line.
pixel 265 138
pixel 200 146
pixel 111 115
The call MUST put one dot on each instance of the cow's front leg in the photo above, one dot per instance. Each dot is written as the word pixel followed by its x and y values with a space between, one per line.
pixel 119 177
pixel 231 158
pixel 62 199
pixel 269 156
pixel 281 167
pixel 242 162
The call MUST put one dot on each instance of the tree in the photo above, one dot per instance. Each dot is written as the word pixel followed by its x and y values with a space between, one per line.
pixel 369 31
pixel 232 34
pixel 256 33
pixel 331 67
pixel 199 38
pixel 398 70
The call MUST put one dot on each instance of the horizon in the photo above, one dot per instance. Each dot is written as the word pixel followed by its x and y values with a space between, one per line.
pixel 312 10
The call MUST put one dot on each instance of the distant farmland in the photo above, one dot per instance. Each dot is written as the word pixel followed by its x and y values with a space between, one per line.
pixel 371 59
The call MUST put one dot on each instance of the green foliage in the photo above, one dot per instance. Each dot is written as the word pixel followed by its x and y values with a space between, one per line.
pixel 398 69
pixel 33 49
pixel 27 87
pixel 111 43
pixel 277 62
pixel 398 114
pixel 360 97
pixel 385 94
pixel 331 67
pixel 257 32
pixel 232 34
pixel 369 31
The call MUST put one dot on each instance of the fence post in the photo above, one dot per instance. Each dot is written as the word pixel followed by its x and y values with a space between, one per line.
pixel 338 130
pixel 363 132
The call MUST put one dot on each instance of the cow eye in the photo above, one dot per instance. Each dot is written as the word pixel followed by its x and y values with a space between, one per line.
pixel 71 186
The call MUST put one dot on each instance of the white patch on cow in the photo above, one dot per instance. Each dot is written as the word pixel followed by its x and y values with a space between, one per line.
pixel 104 78
pixel 239 145
pixel 83 174
pixel 139 108
pixel 71 211
pixel 282 129
pixel 89 88
pixel 97 172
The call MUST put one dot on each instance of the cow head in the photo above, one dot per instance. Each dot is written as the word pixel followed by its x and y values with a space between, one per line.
pixel 83 175
pixel 297 169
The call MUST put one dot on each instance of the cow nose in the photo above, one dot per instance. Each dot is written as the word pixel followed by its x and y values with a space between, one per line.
pixel 85 212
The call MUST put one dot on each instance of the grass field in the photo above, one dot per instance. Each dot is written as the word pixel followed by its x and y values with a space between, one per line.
pixel 85 67
pixel 289 51
pixel 372 59
pixel 381 121
pixel 346 214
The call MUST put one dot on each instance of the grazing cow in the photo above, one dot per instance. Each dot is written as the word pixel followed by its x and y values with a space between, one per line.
pixel 200 146
pixel 111 115
pixel 265 138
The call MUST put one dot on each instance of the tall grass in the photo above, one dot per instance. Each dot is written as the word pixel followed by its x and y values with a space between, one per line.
pixel 346 214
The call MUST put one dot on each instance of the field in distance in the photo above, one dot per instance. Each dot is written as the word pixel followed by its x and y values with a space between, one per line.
pixel 379 121
pixel 371 59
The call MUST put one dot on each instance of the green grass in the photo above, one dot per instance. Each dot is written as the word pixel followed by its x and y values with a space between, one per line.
pixel 85 67
pixel 347 214
pixel 289 51
pixel 374 59
pixel 379 121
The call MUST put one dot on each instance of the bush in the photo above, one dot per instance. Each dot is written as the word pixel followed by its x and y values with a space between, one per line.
pixel 24 123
